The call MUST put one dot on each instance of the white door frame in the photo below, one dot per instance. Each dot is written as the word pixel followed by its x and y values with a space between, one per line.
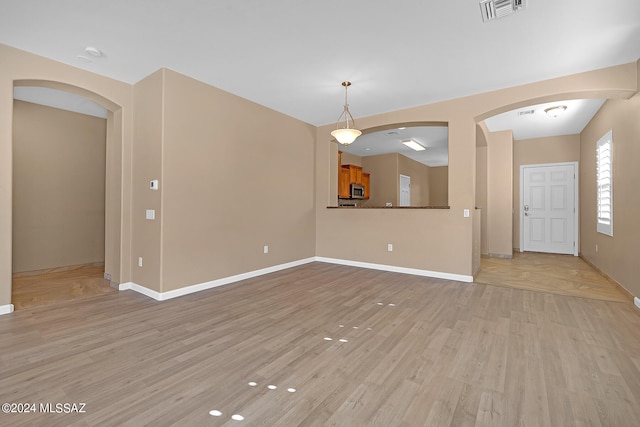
pixel 408 178
pixel 576 204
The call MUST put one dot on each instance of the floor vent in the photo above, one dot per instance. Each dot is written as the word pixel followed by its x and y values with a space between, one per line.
pixel 494 9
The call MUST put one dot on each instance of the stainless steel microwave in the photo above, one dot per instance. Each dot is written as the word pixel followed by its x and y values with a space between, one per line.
pixel 357 191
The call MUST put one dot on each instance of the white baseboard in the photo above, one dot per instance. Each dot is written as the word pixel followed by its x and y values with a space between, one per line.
pixel 162 296
pixel 395 269
pixel 636 301
pixel 141 290
pixel 6 309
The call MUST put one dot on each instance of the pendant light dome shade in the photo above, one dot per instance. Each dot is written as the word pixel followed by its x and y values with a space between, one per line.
pixel 346 136
pixel 347 133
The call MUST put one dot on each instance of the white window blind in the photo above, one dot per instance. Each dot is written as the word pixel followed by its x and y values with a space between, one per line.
pixel 604 183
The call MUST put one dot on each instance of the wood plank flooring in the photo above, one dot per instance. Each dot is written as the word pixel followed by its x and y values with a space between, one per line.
pixel 416 352
pixel 557 274
pixel 56 287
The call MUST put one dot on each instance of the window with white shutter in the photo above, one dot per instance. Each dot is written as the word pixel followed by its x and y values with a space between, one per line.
pixel 604 183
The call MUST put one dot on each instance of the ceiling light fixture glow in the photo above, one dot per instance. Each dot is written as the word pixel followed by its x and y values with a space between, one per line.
pixel 95 52
pixel 346 135
pixel 414 145
pixel 555 111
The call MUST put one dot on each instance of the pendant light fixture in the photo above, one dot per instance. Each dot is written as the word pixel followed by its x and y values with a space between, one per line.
pixel 346 135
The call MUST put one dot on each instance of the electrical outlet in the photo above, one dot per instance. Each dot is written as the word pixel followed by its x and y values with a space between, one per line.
pixel 139 261
pixel 265 249
pixel 390 247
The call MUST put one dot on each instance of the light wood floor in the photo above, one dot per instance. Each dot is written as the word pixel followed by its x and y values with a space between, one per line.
pixel 557 274
pixel 58 287
pixel 425 352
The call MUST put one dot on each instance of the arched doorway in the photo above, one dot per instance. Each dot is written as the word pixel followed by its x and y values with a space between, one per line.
pixel 112 180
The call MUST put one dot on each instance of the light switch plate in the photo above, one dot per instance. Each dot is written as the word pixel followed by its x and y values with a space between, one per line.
pixel 154 184
pixel 466 213
pixel 151 214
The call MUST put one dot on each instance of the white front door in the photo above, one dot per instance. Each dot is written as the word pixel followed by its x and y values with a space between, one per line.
pixel 405 190
pixel 549 216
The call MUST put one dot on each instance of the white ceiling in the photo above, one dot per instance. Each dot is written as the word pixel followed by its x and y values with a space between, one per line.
pixel 433 138
pixel 291 55
pixel 59 99
pixel 538 124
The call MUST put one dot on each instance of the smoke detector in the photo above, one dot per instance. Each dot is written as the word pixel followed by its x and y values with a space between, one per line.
pixel 494 9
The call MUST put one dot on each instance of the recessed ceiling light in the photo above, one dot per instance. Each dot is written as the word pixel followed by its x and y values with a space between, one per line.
pixel 413 145
pixel 555 111
pixel 401 128
pixel 95 52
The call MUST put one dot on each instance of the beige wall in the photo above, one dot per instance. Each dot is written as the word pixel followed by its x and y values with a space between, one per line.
pixel 232 182
pixel 58 188
pixel 554 149
pixel 384 179
pixel 440 240
pixel 351 159
pixel 385 172
pixel 481 195
pixel 147 165
pixel 499 194
pixel 419 174
pixel 617 256
pixel 439 186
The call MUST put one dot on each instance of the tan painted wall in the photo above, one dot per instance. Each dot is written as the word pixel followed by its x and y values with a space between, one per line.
pixel 147 165
pixel 385 172
pixel 58 188
pixel 555 149
pixel 500 194
pixel 351 159
pixel 419 174
pixel 384 181
pixel 233 181
pixel 481 195
pixel 440 240
pixel 439 186
pixel 117 96
pixel 617 256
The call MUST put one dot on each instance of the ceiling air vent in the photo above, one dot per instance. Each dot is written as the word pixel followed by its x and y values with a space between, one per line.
pixel 494 9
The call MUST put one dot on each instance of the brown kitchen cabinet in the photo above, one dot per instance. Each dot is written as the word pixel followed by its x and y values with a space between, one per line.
pixel 351 174
pixel 344 190
pixel 355 176
pixel 366 182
